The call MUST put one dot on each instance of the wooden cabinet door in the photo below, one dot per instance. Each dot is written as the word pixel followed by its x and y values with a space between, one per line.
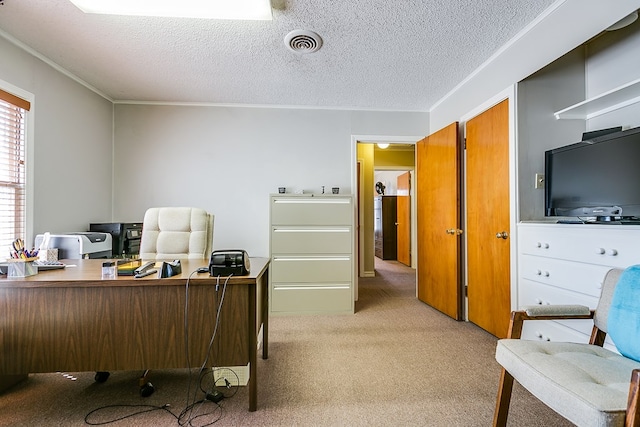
pixel 438 221
pixel 488 234
pixel 404 218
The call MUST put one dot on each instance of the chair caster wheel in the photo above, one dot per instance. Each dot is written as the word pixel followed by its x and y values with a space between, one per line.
pixel 101 376
pixel 147 390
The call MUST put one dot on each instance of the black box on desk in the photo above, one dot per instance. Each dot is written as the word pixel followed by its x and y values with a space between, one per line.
pixel 125 237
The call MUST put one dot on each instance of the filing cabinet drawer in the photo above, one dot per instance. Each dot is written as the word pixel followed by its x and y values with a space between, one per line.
pixel 311 269
pixel 311 299
pixel 327 210
pixel 310 240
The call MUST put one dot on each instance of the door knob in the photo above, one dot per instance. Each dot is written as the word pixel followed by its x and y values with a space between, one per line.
pixel 502 235
pixel 450 231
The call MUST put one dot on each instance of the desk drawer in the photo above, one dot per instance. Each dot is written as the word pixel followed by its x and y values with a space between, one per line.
pixel 310 240
pixel 310 299
pixel 311 269
pixel 311 210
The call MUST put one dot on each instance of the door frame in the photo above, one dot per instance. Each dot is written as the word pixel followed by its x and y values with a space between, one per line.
pixel 370 139
pixel 509 93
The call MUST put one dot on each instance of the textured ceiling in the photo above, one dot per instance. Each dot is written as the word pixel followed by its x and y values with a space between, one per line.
pixel 377 54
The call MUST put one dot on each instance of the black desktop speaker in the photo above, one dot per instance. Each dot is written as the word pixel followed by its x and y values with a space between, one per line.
pixel 229 262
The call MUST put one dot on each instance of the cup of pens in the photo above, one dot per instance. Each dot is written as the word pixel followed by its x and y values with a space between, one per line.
pixel 21 252
pixel 21 261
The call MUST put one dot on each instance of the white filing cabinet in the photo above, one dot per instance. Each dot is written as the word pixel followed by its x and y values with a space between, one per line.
pixel 312 248
pixel 566 264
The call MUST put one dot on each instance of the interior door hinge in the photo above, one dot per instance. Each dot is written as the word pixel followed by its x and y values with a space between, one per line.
pixel 466 291
pixel 464 144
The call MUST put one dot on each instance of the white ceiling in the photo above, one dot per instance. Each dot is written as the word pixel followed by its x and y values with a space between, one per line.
pixel 399 55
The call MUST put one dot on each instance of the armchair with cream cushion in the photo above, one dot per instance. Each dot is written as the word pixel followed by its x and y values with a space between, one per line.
pixel 170 233
pixel 584 382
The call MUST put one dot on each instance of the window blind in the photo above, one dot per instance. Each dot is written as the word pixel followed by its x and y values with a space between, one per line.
pixel 12 170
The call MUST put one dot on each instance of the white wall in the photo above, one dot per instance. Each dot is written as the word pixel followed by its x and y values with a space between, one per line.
pixel 228 160
pixel 72 141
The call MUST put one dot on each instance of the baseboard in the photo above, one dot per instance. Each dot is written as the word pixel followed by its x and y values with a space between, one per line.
pixel 368 274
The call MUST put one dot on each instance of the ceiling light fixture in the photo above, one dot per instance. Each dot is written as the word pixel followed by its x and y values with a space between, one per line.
pixel 383 146
pixel 206 9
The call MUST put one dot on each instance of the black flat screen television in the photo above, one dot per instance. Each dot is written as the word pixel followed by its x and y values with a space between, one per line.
pixel 598 178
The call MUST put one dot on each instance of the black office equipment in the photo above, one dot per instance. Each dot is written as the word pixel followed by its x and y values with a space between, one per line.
pixel 228 262
pixel 595 178
pixel 169 269
pixel 125 237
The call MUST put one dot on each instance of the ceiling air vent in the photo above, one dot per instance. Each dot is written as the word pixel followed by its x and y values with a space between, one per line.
pixel 303 41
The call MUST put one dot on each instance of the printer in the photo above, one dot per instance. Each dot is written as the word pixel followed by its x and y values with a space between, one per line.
pixel 79 245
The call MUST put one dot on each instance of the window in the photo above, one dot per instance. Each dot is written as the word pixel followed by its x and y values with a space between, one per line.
pixel 12 169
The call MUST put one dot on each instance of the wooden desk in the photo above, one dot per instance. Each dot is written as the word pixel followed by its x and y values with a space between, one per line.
pixel 71 320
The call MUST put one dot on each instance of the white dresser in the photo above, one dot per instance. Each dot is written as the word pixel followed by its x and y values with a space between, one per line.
pixel 312 248
pixel 565 264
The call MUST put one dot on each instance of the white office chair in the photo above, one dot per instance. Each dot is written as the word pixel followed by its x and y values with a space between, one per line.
pixel 176 233
pixel 168 234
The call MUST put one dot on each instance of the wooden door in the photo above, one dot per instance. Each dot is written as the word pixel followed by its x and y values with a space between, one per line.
pixel 403 218
pixel 438 221
pixel 488 233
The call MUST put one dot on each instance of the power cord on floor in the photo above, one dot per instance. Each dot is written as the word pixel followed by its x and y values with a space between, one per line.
pixel 149 408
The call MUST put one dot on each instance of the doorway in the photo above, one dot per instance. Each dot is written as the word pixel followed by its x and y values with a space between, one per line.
pixel 374 164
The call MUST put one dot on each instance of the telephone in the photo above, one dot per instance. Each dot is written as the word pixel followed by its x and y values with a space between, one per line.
pixel 228 262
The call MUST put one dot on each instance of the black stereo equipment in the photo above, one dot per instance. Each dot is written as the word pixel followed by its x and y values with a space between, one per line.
pixel 229 262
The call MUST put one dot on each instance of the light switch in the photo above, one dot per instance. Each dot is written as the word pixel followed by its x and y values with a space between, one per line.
pixel 539 183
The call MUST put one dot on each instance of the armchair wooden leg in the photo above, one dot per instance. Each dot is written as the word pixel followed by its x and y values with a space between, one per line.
pixel 633 413
pixel 503 399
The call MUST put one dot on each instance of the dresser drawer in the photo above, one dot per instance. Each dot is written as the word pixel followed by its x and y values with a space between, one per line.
pixel 310 299
pixel 547 330
pixel 328 210
pixel 609 245
pixel 584 278
pixel 532 293
pixel 311 269
pixel 310 240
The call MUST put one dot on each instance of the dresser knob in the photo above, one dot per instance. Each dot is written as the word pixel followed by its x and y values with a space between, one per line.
pixel 612 252
pixel 600 251
pixel 539 272
pixel 546 274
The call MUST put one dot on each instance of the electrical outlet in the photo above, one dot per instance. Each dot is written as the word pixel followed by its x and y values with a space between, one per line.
pixel 539 183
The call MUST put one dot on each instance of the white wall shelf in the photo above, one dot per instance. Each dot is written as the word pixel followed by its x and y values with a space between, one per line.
pixel 614 99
